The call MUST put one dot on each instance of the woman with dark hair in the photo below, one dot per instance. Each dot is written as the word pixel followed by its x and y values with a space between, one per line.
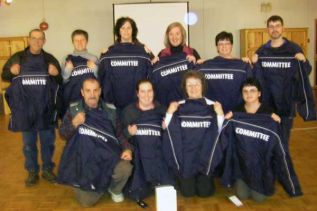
pixel 251 94
pixel 192 127
pixel 125 62
pixel 126 30
pixel 142 123
pixel 225 73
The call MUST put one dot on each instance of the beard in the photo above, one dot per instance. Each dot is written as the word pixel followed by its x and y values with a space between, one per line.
pixel 276 35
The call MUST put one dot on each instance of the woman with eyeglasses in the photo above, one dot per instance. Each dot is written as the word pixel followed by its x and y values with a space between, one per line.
pixel 192 127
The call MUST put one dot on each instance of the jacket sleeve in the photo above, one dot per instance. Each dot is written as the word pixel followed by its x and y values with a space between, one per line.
pixel 67 130
pixel 305 96
pixel 127 117
pixel 307 67
pixel 225 164
pixel 258 74
pixel 149 69
pixel 50 59
pixel 117 125
pixel 284 170
pixel 249 71
pixel 66 72
pixel 125 144
pixel 105 80
pixel 172 145
pixel 6 73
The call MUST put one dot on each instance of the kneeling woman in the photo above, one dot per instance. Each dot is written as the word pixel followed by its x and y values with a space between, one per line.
pixel 142 122
pixel 192 129
pixel 251 94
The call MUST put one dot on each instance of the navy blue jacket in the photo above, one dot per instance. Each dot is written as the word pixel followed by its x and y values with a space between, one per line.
pixel 71 89
pixel 32 96
pixel 120 69
pixel 285 83
pixel 288 49
pixel 224 78
pixel 167 75
pixel 150 168
pixel 284 80
pixel 254 153
pixel 189 138
pixel 90 156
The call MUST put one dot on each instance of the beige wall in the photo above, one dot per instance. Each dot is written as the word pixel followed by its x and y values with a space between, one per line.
pixel 95 16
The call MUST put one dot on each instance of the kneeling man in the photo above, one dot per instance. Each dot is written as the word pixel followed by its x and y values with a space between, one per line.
pixel 96 158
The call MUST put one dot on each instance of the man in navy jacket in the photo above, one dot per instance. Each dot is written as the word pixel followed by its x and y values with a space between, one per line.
pixel 96 157
pixel 270 64
pixel 33 92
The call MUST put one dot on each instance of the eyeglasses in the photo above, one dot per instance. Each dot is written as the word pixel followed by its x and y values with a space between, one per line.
pixel 252 91
pixel 224 44
pixel 275 26
pixel 193 84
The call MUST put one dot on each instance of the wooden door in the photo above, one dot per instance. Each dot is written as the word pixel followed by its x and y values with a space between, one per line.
pixel 254 41
pixel 17 45
pixel 300 37
pixel 8 47
pixel 5 51
pixel 315 59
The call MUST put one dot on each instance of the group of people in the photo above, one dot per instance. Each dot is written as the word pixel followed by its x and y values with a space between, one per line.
pixel 133 120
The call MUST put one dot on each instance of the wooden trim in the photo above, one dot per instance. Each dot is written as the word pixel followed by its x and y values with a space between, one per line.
pixel 315 60
pixel 13 38
pixel 251 38
pixel 286 29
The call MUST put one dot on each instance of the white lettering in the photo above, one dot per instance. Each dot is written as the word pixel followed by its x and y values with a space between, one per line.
pixel 191 124
pixel 124 63
pixel 253 134
pixel 89 132
pixel 276 64
pixel 82 71
pixel 219 76
pixel 148 132
pixel 34 81
pixel 174 70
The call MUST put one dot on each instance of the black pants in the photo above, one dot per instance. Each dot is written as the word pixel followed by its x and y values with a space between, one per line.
pixel 200 185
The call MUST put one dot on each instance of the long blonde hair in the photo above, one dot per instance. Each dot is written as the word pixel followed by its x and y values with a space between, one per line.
pixel 169 28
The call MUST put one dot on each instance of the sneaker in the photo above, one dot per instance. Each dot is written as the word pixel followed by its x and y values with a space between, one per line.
pixel 32 179
pixel 116 197
pixel 49 176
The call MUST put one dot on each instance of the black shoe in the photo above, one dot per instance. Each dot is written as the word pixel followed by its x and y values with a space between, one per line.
pixel 32 179
pixel 49 176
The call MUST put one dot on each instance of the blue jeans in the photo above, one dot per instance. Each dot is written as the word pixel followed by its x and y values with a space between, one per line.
pixel 47 141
